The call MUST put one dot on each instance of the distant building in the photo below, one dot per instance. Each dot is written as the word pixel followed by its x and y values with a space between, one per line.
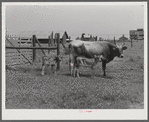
pixel 123 39
pixel 88 37
pixel 101 39
pixel 136 34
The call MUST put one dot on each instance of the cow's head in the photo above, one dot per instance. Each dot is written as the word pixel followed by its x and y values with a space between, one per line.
pixel 119 50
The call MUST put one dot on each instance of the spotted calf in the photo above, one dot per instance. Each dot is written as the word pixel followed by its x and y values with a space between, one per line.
pixel 46 62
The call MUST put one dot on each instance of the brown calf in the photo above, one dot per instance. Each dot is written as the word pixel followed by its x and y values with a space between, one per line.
pixel 85 62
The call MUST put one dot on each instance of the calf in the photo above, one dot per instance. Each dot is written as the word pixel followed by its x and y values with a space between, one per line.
pixel 85 62
pixel 47 61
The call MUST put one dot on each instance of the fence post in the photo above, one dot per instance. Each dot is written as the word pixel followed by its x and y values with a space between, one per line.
pixel 56 38
pixel 96 38
pixel 52 40
pixel 34 45
pixel 58 49
pixel 131 43
pixel 49 43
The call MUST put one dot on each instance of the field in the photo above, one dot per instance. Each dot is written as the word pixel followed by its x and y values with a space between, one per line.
pixel 122 88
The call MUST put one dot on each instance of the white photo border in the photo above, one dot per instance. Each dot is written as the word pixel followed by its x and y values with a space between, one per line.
pixel 71 114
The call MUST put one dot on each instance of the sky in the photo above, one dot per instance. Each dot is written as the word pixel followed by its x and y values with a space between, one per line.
pixel 107 21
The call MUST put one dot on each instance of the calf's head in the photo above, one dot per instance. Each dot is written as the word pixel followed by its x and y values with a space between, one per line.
pixel 98 58
pixel 45 60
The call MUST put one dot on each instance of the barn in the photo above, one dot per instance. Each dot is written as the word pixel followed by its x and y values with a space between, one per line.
pixel 88 37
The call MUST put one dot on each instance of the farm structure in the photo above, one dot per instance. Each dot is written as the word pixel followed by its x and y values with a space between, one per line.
pixel 88 37
pixel 123 39
pixel 137 34
pixel 23 51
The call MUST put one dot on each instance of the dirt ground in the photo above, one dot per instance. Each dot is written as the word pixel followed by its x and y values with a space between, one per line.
pixel 122 88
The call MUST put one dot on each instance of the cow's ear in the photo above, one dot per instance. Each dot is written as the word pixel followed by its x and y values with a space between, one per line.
pixel 124 47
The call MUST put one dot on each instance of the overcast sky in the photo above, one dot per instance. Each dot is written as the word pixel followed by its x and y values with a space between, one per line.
pixel 98 20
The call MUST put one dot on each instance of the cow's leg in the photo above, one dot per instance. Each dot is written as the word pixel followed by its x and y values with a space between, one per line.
pixel 77 72
pixel 71 69
pixel 74 63
pixel 72 66
pixel 74 71
pixel 104 67
pixel 71 72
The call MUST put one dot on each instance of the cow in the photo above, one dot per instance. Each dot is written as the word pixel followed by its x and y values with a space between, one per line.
pixel 89 49
pixel 85 62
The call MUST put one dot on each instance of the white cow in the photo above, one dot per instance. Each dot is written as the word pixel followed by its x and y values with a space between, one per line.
pixel 78 48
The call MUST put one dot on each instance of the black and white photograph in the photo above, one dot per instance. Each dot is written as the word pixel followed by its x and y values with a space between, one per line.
pixel 74 60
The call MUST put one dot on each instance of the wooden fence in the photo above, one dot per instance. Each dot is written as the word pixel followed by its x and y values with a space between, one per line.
pixel 15 57
pixel 20 51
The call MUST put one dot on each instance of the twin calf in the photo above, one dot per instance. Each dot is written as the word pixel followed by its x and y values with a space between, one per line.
pixel 46 62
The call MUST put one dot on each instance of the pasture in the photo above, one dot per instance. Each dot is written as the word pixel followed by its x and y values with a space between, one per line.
pixel 122 88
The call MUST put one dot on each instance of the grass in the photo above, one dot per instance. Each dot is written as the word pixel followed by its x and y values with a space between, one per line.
pixel 123 88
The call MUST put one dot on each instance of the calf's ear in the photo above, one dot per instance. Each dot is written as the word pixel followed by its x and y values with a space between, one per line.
pixel 124 47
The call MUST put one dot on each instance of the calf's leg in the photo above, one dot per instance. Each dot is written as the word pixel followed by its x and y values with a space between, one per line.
pixel 77 72
pixel 53 68
pixel 93 73
pixel 43 69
